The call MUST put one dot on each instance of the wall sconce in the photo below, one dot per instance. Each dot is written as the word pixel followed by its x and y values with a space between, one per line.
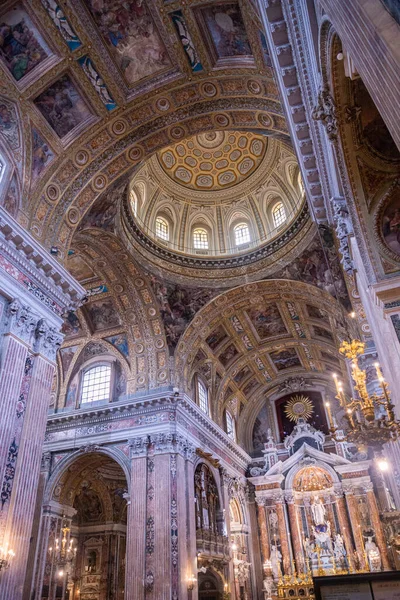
pixel 191 581
pixel 6 557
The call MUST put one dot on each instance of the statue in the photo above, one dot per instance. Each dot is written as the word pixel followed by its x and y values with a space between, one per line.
pixel 276 559
pixel 318 511
pixel 322 534
pixel 309 548
pixel 268 587
pixel 338 548
pixel 373 555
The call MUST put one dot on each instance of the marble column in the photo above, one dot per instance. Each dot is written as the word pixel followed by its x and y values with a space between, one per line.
pixel 135 576
pixel 354 520
pixel 296 535
pixel 262 525
pixel 377 526
pixel 34 294
pixel 345 528
pixel 283 535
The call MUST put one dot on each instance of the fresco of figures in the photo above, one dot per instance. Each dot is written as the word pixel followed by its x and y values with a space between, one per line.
pixel 131 36
pixel 22 48
pixel 225 26
pixel 42 154
pixel 62 106
pixel 391 225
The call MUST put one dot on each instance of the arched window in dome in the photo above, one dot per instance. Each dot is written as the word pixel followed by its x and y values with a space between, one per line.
pixel 96 384
pixel 162 229
pixel 230 425
pixel 242 234
pixel 200 239
pixel 279 214
pixel 133 201
pixel 202 394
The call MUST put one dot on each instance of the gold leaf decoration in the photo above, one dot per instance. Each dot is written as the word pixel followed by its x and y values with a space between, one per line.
pixel 299 407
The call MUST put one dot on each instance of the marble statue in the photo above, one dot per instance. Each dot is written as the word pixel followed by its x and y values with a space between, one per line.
pixel 338 547
pixel 318 511
pixel 309 548
pixel 322 534
pixel 373 555
pixel 276 560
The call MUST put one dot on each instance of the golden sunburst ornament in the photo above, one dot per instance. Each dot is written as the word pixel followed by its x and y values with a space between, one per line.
pixel 299 407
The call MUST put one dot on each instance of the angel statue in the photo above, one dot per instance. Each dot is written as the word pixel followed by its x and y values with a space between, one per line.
pixel 373 554
pixel 276 559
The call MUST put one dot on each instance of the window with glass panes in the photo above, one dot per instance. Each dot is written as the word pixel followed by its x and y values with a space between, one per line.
pixel 162 229
pixel 230 426
pixel 242 234
pixel 96 384
pixel 203 396
pixel 279 214
pixel 200 239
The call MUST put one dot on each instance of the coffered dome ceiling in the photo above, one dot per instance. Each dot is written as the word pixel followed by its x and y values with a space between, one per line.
pixel 214 160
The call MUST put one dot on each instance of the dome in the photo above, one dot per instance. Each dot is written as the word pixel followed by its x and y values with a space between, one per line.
pixel 214 160
pixel 215 196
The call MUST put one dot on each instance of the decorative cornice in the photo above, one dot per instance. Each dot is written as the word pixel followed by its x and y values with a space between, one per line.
pixel 31 268
pixel 203 262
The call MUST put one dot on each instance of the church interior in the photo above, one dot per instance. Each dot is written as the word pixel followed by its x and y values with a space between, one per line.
pixel 199 299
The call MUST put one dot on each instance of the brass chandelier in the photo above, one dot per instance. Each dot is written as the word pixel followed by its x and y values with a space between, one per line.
pixel 371 419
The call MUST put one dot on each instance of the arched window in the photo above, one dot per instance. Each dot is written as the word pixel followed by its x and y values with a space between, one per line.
pixel 242 234
pixel 162 229
pixel 96 384
pixel 230 426
pixel 208 515
pixel 200 239
pixel 202 393
pixel 133 199
pixel 279 214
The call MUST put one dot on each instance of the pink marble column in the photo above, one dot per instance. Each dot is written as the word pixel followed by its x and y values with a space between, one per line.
pixel 345 529
pixel 262 526
pixel 136 525
pixel 377 525
pixel 22 505
pixel 283 535
pixel 296 536
pixel 354 520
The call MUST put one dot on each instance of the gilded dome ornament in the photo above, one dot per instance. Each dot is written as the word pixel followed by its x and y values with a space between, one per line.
pixel 299 407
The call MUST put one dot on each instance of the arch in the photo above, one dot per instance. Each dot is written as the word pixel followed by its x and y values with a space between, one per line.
pixel 61 467
pixel 297 468
pixel 200 238
pixel 242 233
pixel 278 214
pixel 162 228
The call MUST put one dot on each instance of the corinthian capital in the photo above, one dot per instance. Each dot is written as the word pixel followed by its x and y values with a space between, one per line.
pixel 21 321
pixel 47 340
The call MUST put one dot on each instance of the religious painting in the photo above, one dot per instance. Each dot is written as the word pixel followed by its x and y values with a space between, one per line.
pixel 260 429
pixel 120 342
pixel 226 32
pixel 79 268
pixel 307 405
pixel 216 337
pixel 324 333
pixel 63 106
pixel 9 123
pixel 102 314
pixel 63 25
pixel 131 36
pixel 178 305
pixel 10 201
pixel 267 321
pixel 241 375
pixel 285 359
pixel 374 132
pixel 88 506
pixel 67 354
pixel 22 47
pixel 228 354
pixel 250 387
pixel 391 225
pixel 186 41
pixel 42 154
pixel 71 326
pixel 319 265
pixel 103 211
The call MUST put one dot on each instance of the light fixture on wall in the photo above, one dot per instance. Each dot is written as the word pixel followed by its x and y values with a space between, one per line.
pixel 6 556
pixel 370 417
pixel 190 582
